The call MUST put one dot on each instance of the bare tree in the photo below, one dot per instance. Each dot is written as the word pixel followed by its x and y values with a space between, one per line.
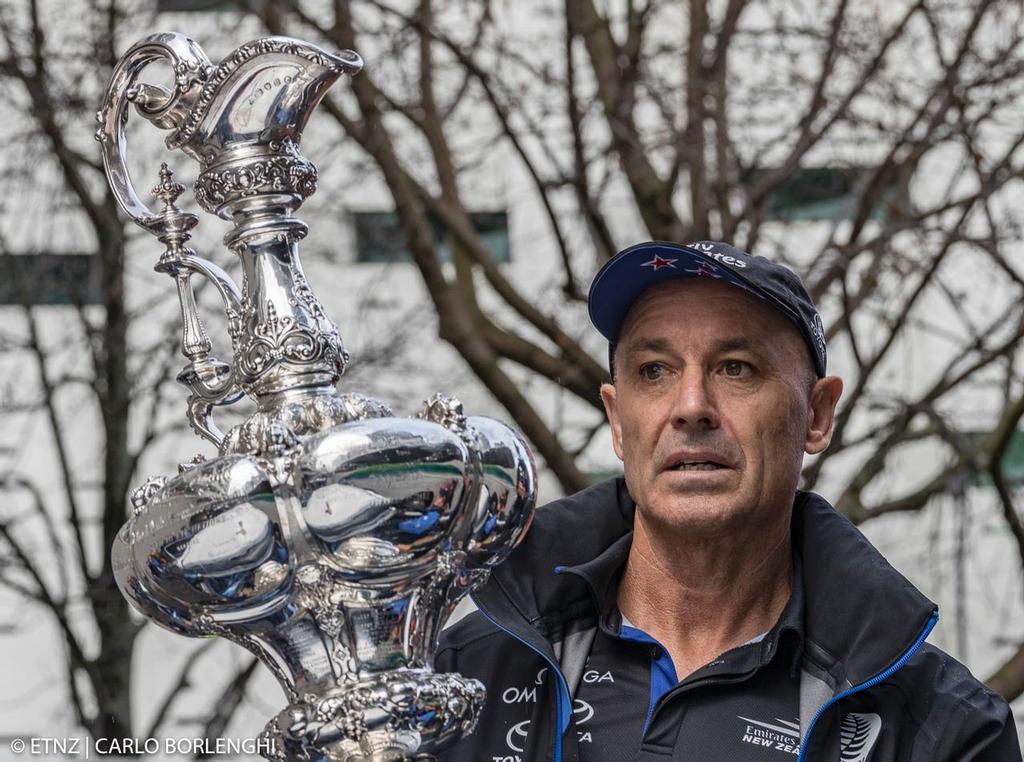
pixel 69 572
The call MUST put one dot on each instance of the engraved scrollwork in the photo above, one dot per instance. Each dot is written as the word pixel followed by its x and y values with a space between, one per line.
pixel 234 323
pixel 316 591
pixel 274 174
pixel 450 564
pixel 282 338
pixel 341 718
pixel 303 294
pixel 189 72
pixel 204 624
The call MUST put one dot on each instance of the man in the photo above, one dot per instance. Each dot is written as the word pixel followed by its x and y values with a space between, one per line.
pixel 702 608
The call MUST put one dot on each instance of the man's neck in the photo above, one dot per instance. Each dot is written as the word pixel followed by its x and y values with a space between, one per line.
pixel 701 596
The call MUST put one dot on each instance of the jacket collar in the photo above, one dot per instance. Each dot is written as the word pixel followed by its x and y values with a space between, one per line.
pixel 860 614
pixel 525 593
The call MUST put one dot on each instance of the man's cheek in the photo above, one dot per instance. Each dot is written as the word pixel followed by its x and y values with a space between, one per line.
pixel 782 441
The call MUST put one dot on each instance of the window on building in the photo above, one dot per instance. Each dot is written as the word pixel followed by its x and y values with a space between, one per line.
pixel 50 279
pixel 201 6
pixel 817 193
pixel 379 236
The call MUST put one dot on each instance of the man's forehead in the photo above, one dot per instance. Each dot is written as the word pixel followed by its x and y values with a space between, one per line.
pixel 663 342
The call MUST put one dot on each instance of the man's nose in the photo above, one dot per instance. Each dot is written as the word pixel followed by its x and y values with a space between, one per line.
pixel 694 401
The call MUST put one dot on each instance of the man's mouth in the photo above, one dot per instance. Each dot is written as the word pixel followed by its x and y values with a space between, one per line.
pixel 685 459
pixel 697 465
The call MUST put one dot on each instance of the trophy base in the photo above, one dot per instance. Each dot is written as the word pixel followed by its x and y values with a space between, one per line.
pixel 393 716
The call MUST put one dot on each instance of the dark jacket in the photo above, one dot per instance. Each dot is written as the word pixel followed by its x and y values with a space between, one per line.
pixel 861 654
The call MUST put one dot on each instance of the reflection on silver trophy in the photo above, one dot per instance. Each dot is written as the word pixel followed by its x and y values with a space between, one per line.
pixel 328 537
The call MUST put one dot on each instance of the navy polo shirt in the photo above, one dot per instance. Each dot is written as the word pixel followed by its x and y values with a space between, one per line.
pixel 631 706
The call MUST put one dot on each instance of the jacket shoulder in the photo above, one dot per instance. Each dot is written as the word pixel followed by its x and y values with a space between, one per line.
pixel 963 717
pixel 471 628
pixel 934 672
pixel 476 647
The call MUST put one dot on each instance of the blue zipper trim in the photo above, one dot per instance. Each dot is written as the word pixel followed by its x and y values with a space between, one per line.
pixel 869 683
pixel 563 709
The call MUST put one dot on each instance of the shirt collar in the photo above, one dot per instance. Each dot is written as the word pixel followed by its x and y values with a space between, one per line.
pixel 787 636
pixel 602 575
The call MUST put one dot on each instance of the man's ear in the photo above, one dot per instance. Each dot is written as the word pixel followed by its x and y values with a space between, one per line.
pixel 824 398
pixel 608 396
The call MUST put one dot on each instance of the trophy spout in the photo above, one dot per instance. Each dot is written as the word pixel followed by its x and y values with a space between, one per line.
pixel 262 93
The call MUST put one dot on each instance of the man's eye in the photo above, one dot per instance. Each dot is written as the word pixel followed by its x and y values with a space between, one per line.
pixel 736 368
pixel 652 371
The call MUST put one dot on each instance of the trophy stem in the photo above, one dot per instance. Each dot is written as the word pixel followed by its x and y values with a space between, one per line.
pixel 287 340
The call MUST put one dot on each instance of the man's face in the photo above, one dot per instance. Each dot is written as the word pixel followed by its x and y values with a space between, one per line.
pixel 713 406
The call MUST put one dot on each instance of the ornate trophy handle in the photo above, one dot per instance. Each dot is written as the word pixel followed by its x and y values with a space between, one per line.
pixel 164 108
pixel 210 381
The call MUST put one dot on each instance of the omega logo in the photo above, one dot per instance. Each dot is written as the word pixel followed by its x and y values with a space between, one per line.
pixel 517 734
pixel 515 695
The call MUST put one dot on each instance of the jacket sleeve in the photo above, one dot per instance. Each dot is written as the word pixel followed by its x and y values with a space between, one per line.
pixel 986 731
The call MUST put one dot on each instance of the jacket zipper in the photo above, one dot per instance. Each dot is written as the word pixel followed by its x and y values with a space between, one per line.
pixel 562 711
pixel 885 675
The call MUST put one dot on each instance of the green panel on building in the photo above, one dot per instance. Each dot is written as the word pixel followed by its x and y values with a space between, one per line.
pixel 50 279
pixel 379 236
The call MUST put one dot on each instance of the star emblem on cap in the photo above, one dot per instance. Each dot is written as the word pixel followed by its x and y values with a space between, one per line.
pixel 659 263
pixel 705 270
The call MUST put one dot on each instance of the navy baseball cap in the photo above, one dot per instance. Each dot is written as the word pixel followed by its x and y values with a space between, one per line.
pixel 634 270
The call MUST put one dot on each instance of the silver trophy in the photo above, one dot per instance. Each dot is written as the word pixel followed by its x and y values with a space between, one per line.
pixel 328 537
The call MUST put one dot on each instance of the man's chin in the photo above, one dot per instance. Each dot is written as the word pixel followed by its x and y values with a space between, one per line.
pixel 696 510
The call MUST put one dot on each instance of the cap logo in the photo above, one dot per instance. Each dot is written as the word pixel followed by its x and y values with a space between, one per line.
pixel 708 249
pixel 659 263
pixel 819 334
